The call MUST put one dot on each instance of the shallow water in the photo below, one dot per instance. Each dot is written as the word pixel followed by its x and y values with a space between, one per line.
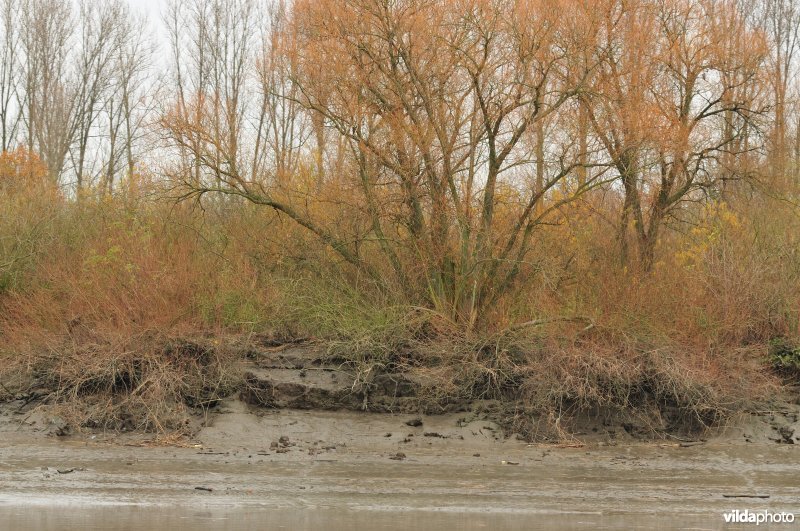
pixel 185 518
pixel 113 487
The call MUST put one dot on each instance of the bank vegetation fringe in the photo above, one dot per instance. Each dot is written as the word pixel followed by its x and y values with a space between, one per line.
pixel 569 206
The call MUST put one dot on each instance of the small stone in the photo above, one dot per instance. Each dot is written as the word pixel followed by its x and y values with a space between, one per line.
pixel 787 433
pixel 58 427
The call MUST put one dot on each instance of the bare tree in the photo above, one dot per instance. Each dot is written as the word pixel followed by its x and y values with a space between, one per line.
pixel 100 25
pixel 10 81
pixel 128 103
pixel 280 120
pixel 49 100
pixel 212 44
pixel 781 22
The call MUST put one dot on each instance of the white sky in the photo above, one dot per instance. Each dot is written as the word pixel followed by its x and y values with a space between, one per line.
pixel 151 7
pixel 153 10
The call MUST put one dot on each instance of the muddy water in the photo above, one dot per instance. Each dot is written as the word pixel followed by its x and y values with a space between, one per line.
pixel 104 486
pixel 137 518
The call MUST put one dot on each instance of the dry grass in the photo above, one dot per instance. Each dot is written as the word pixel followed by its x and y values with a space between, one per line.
pixel 119 311
pixel 120 320
pixel 553 377
pixel 142 382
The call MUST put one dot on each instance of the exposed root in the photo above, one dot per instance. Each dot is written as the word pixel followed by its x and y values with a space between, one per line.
pixel 149 384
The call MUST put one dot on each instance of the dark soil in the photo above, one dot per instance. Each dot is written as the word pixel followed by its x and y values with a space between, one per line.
pixel 298 376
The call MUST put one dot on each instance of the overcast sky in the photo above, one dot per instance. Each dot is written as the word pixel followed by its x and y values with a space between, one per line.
pixel 151 7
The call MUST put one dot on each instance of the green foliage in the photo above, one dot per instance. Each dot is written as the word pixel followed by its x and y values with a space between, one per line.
pixel 784 356
pixel 366 330
pixel 6 281
pixel 232 308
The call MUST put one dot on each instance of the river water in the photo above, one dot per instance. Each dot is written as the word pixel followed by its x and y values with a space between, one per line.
pixel 57 485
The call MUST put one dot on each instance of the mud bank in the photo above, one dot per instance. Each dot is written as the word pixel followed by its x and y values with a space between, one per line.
pixel 294 380
pixel 186 381
pixel 305 377
pixel 297 469
pixel 309 443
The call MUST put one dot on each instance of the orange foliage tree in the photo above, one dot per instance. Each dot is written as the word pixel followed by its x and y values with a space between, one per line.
pixel 23 172
pixel 433 104
pixel 428 144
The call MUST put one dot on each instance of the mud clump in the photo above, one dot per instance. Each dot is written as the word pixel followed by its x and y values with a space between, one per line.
pixel 302 377
pixel 786 434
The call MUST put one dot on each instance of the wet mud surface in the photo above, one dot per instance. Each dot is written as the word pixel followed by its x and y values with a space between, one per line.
pixel 312 444
pixel 294 469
